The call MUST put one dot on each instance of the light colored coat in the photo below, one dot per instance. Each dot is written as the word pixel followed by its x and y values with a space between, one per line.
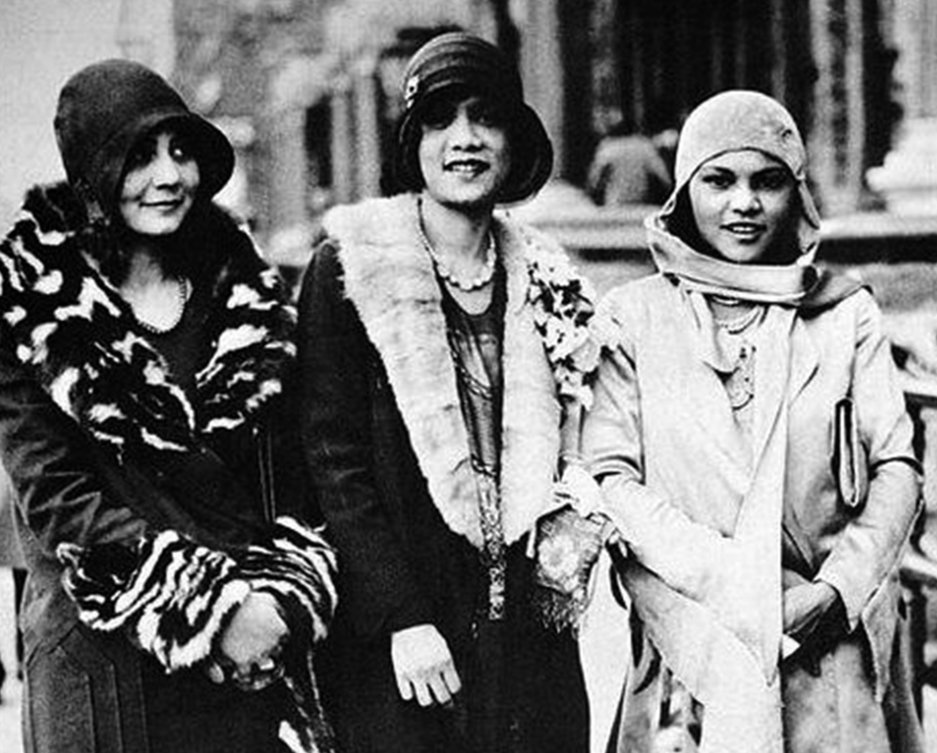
pixel 702 508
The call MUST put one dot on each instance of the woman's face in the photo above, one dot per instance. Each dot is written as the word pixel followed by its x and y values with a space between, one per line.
pixel 160 183
pixel 464 152
pixel 744 204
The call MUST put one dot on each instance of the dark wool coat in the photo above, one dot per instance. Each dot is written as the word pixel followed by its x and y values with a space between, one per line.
pixel 387 445
pixel 105 450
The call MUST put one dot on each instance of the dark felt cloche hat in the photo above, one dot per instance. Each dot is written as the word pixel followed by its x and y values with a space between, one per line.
pixel 461 60
pixel 106 107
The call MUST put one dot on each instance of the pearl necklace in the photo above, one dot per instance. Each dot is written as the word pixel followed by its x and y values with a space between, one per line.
pixel 476 283
pixel 738 324
pixel 182 296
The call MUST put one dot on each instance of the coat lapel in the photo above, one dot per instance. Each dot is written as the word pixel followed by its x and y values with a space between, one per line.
pixel 391 282
pixel 805 358
pixel 531 438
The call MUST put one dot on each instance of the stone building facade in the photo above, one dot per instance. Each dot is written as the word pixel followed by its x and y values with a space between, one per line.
pixel 307 88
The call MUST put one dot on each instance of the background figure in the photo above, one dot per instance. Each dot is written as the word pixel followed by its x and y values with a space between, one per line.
pixel 754 452
pixel 631 168
pixel 145 350
pixel 441 349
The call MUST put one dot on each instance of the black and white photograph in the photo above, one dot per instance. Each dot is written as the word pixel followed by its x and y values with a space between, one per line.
pixel 468 376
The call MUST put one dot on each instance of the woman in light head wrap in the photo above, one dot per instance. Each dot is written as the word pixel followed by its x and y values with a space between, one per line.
pixel 751 440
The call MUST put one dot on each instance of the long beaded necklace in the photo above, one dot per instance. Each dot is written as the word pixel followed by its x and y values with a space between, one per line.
pixel 184 290
pixel 483 278
pixel 740 383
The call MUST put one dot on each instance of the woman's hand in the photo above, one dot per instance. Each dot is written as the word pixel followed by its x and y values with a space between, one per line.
pixel 252 642
pixel 582 489
pixel 423 666
pixel 805 606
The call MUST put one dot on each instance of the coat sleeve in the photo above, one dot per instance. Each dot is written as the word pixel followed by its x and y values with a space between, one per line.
pixel 869 546
pixel 337 369
pixel 687 555
pixel 52 463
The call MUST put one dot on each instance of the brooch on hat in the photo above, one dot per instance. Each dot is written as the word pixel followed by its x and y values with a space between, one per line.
pixel 410 91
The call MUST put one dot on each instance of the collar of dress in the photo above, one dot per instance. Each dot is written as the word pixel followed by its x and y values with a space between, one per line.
pixel 390 280
pixel 77 334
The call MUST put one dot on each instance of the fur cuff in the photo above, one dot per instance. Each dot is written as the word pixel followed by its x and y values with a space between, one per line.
pixel 173 598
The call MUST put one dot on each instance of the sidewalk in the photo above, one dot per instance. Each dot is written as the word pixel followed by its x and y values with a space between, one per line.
pixel 10 741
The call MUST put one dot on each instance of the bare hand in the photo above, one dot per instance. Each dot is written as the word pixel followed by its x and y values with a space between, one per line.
pixel 805 606
pixel 423 666
pixel 252 642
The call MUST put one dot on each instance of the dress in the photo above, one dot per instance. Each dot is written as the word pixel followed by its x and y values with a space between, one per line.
pixel 711 538
pixel 390 451
pixel 120 442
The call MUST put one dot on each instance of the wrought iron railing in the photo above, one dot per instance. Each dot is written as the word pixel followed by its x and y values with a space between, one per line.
pixel 918 571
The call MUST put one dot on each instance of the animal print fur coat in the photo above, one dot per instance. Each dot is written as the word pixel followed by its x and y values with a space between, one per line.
pixel 147 507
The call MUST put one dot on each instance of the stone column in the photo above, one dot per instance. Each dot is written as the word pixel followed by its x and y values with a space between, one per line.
pixel 541 66
pixel 343 150
pixel 908 177
pixel 367 126
pixel 287 169
pixel 836 140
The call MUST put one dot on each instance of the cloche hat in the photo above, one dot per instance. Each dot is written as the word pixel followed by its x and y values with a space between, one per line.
pixel 737 120
pixel 461 60
pixel 106 107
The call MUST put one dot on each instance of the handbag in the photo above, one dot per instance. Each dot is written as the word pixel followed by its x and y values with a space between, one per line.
pixel 850 459
pixel 566 546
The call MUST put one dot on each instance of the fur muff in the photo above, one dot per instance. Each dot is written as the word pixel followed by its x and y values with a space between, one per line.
pixel 173 598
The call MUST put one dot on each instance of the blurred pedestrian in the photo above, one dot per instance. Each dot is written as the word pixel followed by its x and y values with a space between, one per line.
pixel 631 168
pixel 172 603
pixel 442 351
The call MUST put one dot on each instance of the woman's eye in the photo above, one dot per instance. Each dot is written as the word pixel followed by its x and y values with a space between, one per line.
pixel 717 180
pixel 439 115
pixel 486 115
pixel 140 156
pixel 181 150
pixel 773 181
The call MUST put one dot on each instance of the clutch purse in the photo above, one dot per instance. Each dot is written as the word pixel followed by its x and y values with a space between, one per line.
pixel 566 547
pixel 850 462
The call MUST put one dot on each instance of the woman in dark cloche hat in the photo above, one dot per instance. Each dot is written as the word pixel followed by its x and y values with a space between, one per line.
pixel 442 348
pixel 172 599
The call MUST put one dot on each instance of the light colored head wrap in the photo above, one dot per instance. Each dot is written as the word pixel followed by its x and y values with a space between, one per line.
pixel 728 122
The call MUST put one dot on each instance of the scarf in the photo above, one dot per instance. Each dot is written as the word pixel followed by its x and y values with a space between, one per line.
pixel 787 284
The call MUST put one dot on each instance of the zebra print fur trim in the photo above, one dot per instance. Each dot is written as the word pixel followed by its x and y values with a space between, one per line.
pixel 173 598
pixel 72 327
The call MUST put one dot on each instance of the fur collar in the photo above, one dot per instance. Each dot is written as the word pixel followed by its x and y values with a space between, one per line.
pixel 391 282
pixel 70 325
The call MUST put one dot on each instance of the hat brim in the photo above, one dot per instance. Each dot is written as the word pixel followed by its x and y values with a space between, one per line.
pixel 213 152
